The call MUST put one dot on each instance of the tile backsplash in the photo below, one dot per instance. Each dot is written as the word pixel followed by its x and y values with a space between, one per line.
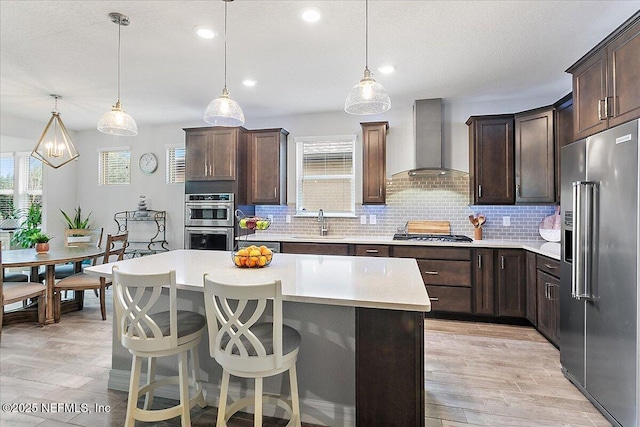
pixel 419 198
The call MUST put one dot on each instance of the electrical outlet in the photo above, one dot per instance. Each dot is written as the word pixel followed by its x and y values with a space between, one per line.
pixel 363 219
pixel 372 219
pixel 506 221
pixel 270 218
pixel 288 219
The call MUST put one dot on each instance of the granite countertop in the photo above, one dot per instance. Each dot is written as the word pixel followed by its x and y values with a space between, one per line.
pixel 548 249
pixel 386 283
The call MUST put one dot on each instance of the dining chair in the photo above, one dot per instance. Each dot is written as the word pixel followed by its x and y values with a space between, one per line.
pixel 148 334
pixel 80 282
pixel 11 292
pixel 246 347
pixel 75 237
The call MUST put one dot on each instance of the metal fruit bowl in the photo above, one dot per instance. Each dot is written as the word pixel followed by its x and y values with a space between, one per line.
pixel 252 257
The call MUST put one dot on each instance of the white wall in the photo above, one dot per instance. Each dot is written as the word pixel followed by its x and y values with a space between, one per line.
pixel 77 183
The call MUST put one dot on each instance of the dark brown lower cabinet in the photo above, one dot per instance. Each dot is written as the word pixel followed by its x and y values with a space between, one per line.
pixel 512 296
pixel 548 284
pixel 315 248
pixel 484 282
pixel 532 288
pixel 389 341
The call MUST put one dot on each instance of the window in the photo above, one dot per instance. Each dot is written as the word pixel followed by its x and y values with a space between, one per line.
pixel 175 164
pixel 114 166
pixel 20 182
pixel 325 175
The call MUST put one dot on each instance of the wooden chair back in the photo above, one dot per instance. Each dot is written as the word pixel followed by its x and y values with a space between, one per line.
pixel 134 296
pixel 115 247
pixel 83 237
pixel 231 311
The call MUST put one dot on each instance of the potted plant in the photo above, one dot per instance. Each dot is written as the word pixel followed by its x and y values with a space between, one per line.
pixel 41 241
pixel 29 227
pixel 77 223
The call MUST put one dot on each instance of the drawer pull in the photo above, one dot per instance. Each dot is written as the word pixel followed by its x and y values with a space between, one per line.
pixel 433 273
pixel 433 299
pixel 372 251
pixel 550 267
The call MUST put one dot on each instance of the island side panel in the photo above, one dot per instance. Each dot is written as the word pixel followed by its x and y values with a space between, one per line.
pixel 389 368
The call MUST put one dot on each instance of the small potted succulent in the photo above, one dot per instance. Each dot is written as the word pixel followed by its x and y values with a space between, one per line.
pixel 41 241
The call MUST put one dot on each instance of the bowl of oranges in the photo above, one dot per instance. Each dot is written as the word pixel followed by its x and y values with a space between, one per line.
pixel 252 257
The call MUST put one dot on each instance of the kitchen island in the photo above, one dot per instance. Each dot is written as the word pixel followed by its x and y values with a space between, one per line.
pixel 361 359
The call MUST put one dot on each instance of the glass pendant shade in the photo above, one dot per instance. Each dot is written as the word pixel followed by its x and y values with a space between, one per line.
pixel 367 97
pixel 224 111
pixel 55 147
pixel 117 122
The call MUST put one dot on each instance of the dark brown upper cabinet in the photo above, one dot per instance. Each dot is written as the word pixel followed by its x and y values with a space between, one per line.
pixel 534 156
pixel 491 160
pixel 267 167
pixel 214 154
pixel 563 132
pixel 606 81
pixel 374 169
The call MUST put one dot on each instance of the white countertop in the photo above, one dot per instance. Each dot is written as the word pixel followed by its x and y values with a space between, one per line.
pixel 388 283
pixel 549 249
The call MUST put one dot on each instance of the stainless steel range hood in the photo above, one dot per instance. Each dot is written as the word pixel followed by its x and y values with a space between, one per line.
pixel 429 144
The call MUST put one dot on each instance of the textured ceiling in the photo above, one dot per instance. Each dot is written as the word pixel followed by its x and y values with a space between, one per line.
pixel 462 50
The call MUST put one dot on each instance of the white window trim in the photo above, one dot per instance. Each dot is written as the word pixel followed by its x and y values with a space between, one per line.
pixel 107 149
pixel 300 140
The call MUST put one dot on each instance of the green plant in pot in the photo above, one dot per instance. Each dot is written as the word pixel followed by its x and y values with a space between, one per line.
pixel 29 226
pixel 41 241
pixel 76 222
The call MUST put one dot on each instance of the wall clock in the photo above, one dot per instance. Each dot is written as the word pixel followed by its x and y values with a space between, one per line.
pixel 148 163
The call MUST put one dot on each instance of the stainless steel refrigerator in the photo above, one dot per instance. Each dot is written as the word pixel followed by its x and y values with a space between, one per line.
pixel 599 298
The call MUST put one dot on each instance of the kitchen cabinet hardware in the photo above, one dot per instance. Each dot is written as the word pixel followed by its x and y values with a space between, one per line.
pixel 380 191
pixel 600 110
pixel 275 192
pixel 518 190
pixel 606 107
pixel 372 251
pixel 479 261
pixel 546 290
pixel 502 262
pixel 433 273
pixel 434 299
pixel 479 191
pixel 551 267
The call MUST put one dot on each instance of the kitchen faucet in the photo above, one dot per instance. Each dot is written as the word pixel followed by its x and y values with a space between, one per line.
pixel 323 225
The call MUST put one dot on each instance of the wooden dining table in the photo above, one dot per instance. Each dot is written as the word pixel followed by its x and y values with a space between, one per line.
pixel 30 258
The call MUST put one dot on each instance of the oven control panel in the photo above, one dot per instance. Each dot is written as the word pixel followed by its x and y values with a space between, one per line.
pixel 211 197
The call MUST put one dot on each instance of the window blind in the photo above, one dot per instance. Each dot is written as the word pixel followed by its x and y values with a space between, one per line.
pixel 114 167
pixel 175 164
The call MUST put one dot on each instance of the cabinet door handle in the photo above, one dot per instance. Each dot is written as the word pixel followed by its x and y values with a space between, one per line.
pixel 550 267
pixel 372 251
pixel 432 273
pixel 479 191
pixel 502 262
pixel 546 290
pixel 206 168
pixel 380 191
pixel 433 299
pixel 599 109
pixel 606 107
pixel 275 192
pixel 479 262
pixel 518 191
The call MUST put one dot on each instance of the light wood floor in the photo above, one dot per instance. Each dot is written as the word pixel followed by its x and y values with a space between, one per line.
pixel 476 374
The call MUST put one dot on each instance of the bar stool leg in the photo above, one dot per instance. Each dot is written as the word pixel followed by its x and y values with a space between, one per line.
pixel 222 404
pixel 134 384
pixel 295 401
pixel 184 390
pixel 151 377
pixel 195 374
pixel 257 419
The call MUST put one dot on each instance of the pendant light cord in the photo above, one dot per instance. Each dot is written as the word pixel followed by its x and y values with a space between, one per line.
pixel 366 36
pixel 119 54
pixel 225 44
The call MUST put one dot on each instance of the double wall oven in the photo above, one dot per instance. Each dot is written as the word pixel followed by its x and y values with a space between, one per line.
pixel 209 221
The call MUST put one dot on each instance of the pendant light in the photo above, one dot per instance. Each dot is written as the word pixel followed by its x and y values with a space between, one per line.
pixel 117 121
pixel 55 147
pixel 224 111
pixel 368 96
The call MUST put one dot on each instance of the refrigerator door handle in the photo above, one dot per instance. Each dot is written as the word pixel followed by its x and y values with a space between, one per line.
pixel 585 218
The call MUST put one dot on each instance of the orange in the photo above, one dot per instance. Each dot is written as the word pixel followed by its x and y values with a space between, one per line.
pixel 265 250
pixel 237 261
pixel 262 261
pixel 243 252
pixel 255 253
pixel 269 256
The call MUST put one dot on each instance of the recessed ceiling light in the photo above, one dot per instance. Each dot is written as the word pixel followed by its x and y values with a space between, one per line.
pixel 249 83
pixel 386 69
pixel 311 15
pixel 205 32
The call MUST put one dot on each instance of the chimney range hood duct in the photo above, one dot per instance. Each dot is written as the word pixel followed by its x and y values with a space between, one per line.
pixel 427 127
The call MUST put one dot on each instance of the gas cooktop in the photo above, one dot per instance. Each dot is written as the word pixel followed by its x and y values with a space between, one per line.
pixel 432 237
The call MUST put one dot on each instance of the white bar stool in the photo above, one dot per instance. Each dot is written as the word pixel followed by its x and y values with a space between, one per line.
pixel 156 335
pixel 248 349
